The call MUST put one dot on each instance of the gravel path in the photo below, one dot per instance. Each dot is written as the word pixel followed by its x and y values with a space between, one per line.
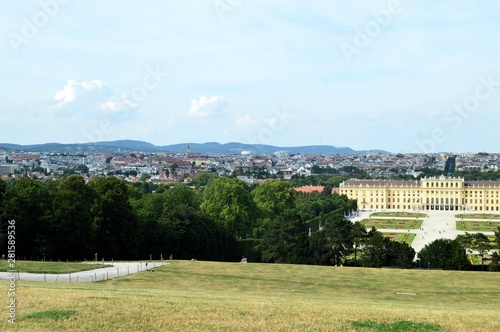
pixel 117 270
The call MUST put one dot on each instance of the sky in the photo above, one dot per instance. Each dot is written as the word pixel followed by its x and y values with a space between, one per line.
pixel 397 75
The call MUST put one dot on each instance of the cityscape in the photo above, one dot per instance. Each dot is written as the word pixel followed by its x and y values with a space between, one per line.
pixel 249 165
pixel 184 166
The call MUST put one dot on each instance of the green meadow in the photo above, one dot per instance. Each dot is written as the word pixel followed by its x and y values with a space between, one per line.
pixel 212 296
pixel 49 267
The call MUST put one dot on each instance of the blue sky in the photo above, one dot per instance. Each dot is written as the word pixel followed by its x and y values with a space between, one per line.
pixel 398 75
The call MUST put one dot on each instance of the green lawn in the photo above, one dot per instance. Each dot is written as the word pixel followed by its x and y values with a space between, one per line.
pixel 401 237
pixel 210 296
pixel 392 223
pixel 476 226
pixel 478 216
pixel 49 267
pixel 399 214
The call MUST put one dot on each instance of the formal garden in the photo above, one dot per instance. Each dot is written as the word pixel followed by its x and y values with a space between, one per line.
pixel 478 216
pixel 381 223
pixel 476 226
pixel 398 214
pixel 401 237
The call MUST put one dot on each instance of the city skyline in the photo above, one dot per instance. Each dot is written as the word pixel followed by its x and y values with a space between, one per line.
pixel 396 75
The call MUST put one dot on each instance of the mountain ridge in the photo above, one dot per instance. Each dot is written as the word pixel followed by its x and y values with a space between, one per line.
pixel 125 146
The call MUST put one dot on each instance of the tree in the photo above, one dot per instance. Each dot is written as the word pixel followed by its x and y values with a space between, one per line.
pixel 400 255
pixel 318 250
pixel 159 234
pixel 145 177
pixel 284 239
pixel 339 239
pixel 359 237
pixel 2 193
pixel 482 245
pixel 203 179
pixel 444 254
pixel 115 223
pixel 376 249
pixel 180 212
pixel 495 262
pixel 272 199
pixel 71 233
pixel 497 237
pixel 27 203
pixel 327 191
pixel 3 228
pixel 228 202
pixel 173 224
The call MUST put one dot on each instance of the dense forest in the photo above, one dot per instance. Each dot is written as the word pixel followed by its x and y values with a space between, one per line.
pixel 216 218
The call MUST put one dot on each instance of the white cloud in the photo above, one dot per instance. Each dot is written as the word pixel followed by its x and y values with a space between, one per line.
pixel 118 104
pixel 75 91
pixel 93 99
pixel 271 122
pixel 206 106
pixel 243 121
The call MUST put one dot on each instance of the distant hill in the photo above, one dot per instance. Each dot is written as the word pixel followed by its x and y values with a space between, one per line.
pixel 124 146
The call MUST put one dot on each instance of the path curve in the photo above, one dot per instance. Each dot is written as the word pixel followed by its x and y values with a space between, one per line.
pixel 119 269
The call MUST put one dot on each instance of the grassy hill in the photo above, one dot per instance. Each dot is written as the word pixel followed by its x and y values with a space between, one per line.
pixel 210 296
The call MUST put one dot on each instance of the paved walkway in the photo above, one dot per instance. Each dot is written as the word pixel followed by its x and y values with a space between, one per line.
pixel 117 270
pixel 437 225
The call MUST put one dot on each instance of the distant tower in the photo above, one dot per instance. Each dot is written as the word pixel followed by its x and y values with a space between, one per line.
pixel 188 151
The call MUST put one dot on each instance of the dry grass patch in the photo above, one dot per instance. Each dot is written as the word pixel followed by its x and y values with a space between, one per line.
pixel 208 296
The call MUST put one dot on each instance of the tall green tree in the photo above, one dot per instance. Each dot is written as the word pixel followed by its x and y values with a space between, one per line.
pixel 116 226
pixel 376 249
pixel 495 262
pixel 497 237
pixel 285 239
pixel 2 193
pixel 204 179
pixel 71 231
pixel 359 237
pixel 339 239
pixel 27 203
pixel 228 202
pixel 160 236
pixel 444 254
pixel 400 255
pixel 272 199
pixel 482 245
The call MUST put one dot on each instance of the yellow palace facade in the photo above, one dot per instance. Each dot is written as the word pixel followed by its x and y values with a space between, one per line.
pixel 434 193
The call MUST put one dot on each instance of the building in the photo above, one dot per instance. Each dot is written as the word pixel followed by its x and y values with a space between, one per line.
pixel 9 168
pixel 435 193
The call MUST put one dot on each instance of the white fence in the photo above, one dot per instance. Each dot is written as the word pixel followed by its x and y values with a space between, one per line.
pixel 85 276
